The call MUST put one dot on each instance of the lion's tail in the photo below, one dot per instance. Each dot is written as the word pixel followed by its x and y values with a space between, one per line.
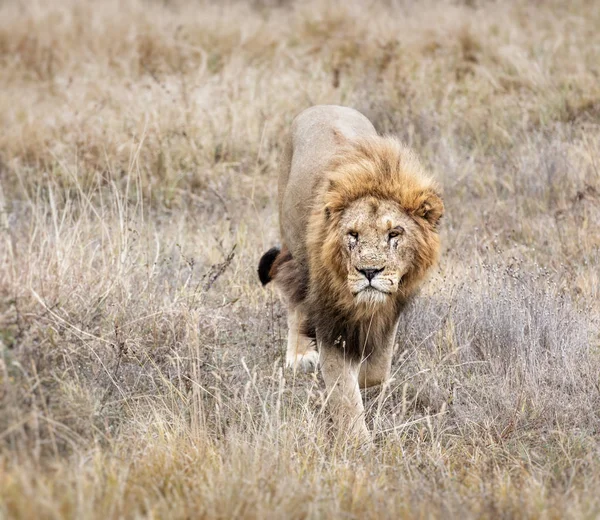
pixel 292 282
pixel 267 265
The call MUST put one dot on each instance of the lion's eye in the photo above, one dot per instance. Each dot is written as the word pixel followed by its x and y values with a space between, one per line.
pixel 353 234
pixel 396 232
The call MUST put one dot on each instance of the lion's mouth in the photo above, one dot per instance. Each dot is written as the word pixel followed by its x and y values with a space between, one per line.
pixel 371 295
pixel 378 290
pixel 369 289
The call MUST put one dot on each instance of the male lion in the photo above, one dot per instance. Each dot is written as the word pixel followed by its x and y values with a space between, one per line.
pixel 358 218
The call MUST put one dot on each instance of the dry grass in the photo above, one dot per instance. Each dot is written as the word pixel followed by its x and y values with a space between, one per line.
pixel 141 362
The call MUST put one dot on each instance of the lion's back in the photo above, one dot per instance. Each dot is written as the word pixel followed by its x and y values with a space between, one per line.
pixel 316 136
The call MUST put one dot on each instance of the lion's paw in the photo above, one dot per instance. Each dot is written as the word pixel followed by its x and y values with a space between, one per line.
pixel 306 362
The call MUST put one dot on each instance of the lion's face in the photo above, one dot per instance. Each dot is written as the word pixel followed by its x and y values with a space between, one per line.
pixel 378 238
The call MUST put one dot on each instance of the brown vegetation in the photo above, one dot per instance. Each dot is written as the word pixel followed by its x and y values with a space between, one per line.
pixel 140 358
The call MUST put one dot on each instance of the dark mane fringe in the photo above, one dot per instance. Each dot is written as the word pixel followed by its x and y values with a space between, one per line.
pixel 358 339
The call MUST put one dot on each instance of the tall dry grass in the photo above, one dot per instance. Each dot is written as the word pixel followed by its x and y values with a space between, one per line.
pixel 141 364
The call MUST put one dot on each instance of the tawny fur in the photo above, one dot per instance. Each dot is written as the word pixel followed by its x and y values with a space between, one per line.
pixel 336 167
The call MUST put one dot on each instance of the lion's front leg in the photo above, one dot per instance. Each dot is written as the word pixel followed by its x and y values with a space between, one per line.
pixel 345 402
pixel 375 369
pixel 301 352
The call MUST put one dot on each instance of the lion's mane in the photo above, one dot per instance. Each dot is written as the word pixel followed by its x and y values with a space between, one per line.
pixel 383 168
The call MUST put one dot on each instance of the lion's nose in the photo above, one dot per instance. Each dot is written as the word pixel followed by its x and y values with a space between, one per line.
pixel 369 274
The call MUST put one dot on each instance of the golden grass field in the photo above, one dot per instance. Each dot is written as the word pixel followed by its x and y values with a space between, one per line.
pixel 141 362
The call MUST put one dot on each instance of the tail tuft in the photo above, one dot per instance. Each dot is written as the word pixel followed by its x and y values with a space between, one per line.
pixel 265 264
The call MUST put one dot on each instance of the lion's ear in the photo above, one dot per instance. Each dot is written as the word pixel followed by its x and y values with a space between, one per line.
pixel 345 139
pixel 431 207
pixel 338 137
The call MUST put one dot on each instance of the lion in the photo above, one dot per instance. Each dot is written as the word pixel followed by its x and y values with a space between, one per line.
pixel 359 229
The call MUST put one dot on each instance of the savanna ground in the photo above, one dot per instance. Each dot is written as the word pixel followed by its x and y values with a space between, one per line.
pixel 141 363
